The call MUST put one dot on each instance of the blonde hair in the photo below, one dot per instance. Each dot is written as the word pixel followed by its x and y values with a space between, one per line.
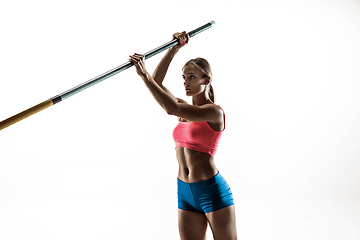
pixel 205 68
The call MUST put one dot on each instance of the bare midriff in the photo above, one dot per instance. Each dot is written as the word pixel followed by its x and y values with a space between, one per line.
pixel 194 166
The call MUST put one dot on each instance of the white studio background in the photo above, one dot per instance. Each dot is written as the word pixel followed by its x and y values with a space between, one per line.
pixel 101 164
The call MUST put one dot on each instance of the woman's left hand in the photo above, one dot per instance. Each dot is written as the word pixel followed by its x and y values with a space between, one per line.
pixel 139 62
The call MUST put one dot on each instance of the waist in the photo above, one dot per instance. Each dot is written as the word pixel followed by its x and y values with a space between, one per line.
pixel 211 180
pixel 194 166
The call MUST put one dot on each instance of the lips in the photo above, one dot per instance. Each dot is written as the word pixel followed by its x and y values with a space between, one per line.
pixel 187 89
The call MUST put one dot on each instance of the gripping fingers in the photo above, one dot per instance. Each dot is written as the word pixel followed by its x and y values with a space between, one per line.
pixel 183 37
pixel 136 58
pixel 139 62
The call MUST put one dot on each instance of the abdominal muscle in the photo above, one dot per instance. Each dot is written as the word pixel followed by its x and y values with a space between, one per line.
pixel 195 166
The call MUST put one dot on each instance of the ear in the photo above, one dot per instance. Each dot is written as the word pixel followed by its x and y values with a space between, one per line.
pixel 207 80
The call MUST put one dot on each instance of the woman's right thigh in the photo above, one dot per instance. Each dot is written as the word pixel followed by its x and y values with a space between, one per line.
pixel 192 225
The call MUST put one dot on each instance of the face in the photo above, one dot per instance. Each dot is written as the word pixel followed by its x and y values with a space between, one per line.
pixel 194 81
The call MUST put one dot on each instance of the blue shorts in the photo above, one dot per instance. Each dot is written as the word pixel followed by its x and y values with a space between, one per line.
pixel 205 196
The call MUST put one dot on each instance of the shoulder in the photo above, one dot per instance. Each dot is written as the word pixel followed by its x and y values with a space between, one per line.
pixel 219 108
pixel 215 111
pixel 212 107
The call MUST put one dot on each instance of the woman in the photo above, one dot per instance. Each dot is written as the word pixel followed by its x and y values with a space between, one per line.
pixel 203 194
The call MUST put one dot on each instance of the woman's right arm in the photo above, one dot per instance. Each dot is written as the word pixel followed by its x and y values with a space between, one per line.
pixel 161 69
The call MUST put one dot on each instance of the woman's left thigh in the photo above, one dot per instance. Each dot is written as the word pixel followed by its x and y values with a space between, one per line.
pixel 223 223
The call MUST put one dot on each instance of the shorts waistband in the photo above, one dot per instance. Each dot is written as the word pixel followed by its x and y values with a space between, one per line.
pixel 203 181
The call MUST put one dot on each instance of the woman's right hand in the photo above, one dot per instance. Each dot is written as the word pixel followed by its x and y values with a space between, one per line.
pixel 183 39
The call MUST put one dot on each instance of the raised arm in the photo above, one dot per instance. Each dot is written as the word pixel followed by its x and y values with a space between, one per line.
pixel 172 105
pixel 161 69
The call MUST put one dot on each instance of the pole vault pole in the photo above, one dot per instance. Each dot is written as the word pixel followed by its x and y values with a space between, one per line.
pixel 52 101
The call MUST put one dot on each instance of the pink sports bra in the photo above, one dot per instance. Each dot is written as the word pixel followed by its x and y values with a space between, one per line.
pixel 198 136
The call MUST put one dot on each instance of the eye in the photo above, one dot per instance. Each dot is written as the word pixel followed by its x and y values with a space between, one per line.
pixel 189 76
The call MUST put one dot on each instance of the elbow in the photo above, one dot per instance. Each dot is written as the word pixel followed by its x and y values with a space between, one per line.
pixel 171 110
pixel 169 113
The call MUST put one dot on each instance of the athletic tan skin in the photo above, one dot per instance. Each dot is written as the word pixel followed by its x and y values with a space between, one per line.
pixel 194 166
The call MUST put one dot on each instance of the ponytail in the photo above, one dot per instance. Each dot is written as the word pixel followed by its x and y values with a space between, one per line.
pixel 211 93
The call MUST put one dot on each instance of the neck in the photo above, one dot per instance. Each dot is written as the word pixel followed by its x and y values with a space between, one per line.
pixel 201 99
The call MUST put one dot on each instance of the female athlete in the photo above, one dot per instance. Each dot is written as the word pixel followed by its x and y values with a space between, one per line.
pixel 203 194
